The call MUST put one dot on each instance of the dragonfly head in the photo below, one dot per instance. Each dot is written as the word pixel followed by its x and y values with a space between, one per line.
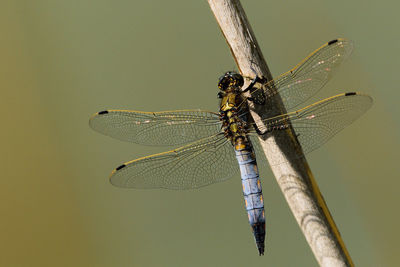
pixel 229 80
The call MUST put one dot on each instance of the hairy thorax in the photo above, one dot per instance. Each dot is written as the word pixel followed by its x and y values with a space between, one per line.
pixel 231 115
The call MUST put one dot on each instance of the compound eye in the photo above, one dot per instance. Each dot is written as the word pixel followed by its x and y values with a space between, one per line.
pixel 224 83
pixel 238 80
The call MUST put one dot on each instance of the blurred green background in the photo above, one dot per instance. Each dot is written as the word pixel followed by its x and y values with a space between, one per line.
pixel 61 61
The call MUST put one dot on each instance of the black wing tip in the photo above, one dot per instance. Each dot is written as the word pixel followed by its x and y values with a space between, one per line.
pixel 120 167
pixel 102 112
pixel 333 41
pixel 351 93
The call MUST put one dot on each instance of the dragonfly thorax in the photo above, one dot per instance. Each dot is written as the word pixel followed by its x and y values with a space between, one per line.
pixel 230 108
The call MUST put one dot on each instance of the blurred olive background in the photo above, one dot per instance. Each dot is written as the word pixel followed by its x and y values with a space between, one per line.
pixel 61 61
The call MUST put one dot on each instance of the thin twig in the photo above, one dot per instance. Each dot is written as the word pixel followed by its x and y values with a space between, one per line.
pixel 294 177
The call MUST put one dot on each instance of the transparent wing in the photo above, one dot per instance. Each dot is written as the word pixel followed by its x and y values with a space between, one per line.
pixel 156 128
pixel 309 76
pixel 317 123
pixel 198 164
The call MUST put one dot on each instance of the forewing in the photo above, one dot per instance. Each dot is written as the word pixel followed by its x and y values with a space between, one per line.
pixel 156 128
pixel 314 125
pixel 198 164
pixel 310 75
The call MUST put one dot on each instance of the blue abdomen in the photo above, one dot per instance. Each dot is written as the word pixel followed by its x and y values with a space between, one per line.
pixel 252 193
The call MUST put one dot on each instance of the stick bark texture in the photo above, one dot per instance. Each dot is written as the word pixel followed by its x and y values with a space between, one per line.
pixel 294 177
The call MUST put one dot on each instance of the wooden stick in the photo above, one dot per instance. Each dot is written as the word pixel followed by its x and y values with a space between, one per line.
pixel 294 177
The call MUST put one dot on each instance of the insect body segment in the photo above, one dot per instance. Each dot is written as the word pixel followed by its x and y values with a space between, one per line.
pixel 252 193
pixel 235 130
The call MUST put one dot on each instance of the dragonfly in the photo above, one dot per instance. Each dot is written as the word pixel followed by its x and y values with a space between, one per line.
pixel 215 146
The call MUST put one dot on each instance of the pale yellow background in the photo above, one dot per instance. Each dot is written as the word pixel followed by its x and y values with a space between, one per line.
pixel 61 61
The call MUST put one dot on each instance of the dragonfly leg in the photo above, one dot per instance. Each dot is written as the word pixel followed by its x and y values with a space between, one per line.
pixel 253 82
pixel 258 99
